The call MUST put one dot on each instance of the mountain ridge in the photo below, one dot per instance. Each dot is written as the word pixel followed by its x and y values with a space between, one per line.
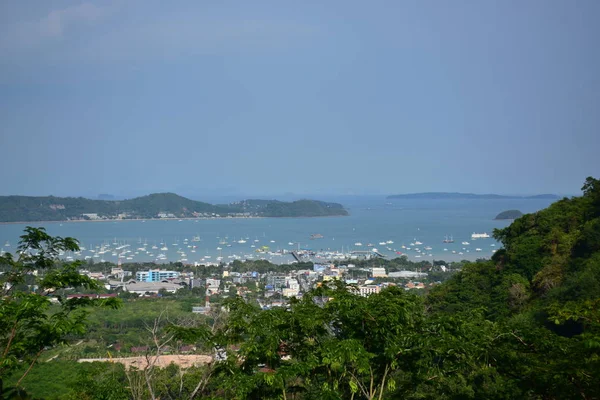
pixel 464 196
pixel 155 205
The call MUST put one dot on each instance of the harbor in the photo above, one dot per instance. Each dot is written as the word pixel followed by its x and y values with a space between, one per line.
pixel 447 230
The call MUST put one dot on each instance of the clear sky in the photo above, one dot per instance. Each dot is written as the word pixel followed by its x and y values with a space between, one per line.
pixel 309 97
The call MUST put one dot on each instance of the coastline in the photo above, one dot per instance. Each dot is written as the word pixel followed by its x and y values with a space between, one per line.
pixel 156 219
pixel 120 220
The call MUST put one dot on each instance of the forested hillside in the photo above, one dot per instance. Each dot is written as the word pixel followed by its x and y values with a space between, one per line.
pixel 50 208
pixel 523 325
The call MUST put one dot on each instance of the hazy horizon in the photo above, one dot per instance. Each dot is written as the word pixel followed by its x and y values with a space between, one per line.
pixel 225 198
pixel 270 99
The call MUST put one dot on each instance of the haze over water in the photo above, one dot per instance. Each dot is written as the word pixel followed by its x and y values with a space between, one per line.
pixel 372 219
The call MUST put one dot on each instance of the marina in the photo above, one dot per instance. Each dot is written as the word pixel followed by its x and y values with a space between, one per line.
pixel 420 230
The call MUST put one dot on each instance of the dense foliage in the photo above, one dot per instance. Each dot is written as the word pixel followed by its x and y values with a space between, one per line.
pixel 299 208
pixel 50 208
pixel 29 325
pixel 524 325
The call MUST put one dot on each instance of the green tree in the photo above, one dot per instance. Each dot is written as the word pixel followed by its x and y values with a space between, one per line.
pixel 29 323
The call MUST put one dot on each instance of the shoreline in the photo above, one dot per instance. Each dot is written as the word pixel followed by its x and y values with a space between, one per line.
pixel 120 220
pixel 155 219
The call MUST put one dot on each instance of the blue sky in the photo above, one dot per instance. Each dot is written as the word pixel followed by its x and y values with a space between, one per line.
pixel 310 97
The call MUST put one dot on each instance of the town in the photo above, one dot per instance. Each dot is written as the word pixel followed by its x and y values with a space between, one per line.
pixel 266 284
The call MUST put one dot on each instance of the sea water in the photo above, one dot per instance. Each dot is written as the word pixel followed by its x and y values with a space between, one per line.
pixel 372 220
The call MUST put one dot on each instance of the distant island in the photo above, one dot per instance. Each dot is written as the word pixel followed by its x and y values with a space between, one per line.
pixel 154 206
pixel 509 214
pixel 467 196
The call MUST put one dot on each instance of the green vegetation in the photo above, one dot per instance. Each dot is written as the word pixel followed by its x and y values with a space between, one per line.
pixel 26 208
pixel 523 325
pixel 509 214
pixel 466 196
pixel 299 208
pixel 29 325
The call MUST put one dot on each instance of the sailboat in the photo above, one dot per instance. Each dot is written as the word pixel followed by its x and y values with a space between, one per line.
pixel 451 240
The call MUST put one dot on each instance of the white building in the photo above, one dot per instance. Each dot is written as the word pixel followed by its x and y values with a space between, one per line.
pixel 155 275
pixel 407 274
pixel 367 290
pixel 212 285
pixel 378 272
pixel 151 287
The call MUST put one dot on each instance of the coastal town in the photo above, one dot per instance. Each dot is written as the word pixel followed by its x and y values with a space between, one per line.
pixel 267 289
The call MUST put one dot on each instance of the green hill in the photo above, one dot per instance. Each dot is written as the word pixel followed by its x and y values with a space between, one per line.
pixel 299 208
pixel 509 214
pixel 165 205
pixel 543 288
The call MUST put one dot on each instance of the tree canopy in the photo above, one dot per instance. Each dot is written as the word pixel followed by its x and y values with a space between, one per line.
pixel 525 324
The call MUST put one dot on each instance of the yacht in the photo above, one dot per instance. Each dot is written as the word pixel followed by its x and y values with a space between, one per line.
pixel 479 235
pixel 358 244
pixel 466 243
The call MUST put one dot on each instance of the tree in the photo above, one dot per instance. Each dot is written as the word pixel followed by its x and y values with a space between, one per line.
pixel 29 322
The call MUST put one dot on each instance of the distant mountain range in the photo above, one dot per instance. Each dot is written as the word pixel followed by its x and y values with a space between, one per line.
pixel 158 205
pixel 462 196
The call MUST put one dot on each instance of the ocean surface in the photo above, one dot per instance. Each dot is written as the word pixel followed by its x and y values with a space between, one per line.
pixel 373 220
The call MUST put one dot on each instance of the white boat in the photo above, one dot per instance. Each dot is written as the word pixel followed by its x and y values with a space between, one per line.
pixel 478 249
pixel 466 243
pixel 446 240
pixel 418 243
pixel 241 241
pixel 358 244
pixel 390 242
pixel 479 235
